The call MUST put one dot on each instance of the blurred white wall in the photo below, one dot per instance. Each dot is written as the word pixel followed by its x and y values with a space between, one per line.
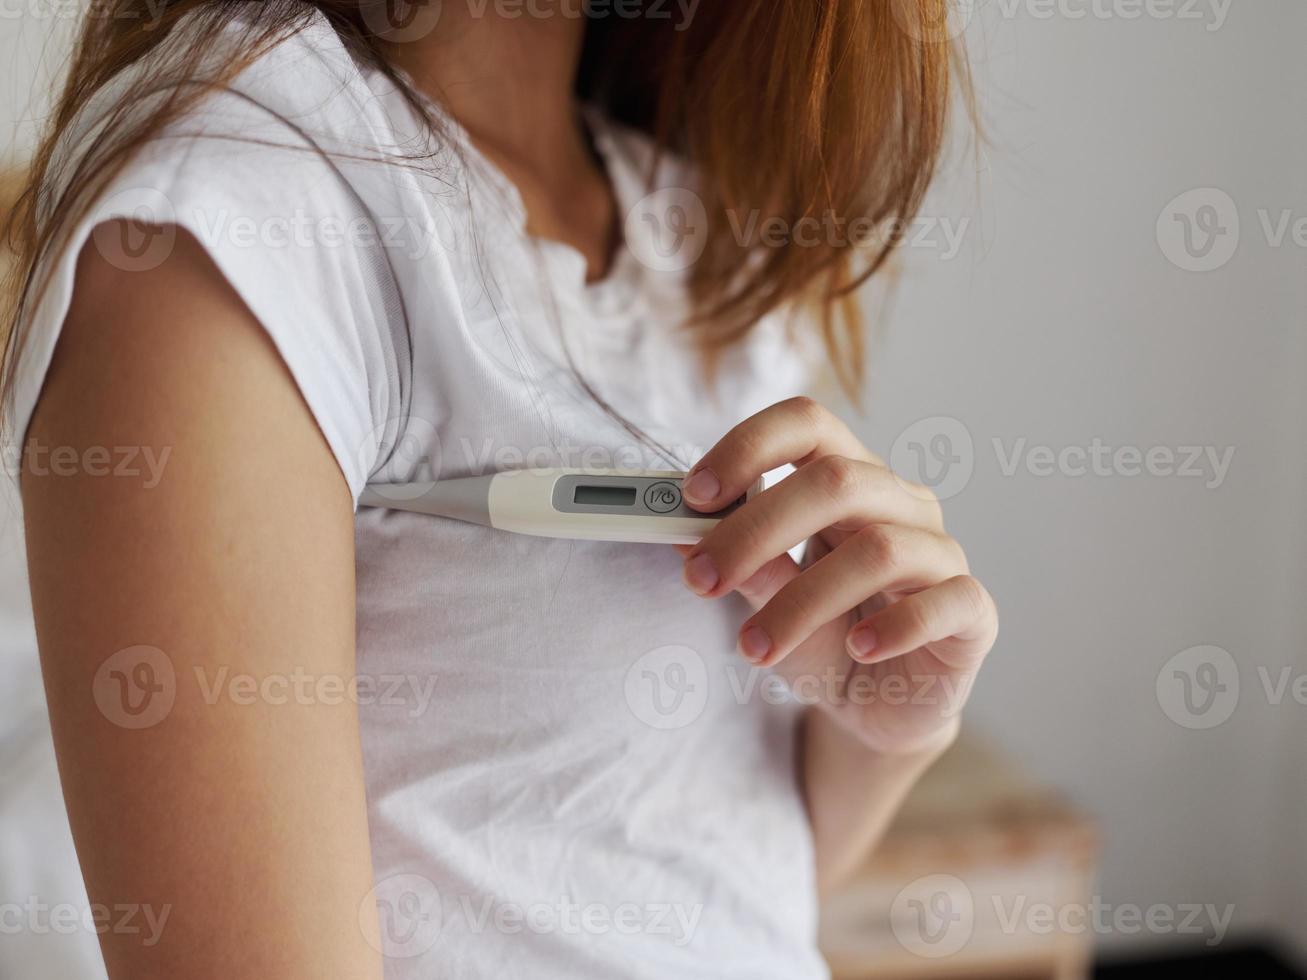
pixel 1064 320
pixel 1061 321
pixel 35 37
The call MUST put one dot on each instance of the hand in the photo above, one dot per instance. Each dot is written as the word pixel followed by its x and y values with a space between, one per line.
pixel 883 622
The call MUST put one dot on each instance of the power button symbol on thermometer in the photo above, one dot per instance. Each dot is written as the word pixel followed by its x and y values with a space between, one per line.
pixel 662 498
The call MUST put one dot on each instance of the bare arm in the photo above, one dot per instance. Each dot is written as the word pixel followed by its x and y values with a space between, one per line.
pixel 852 793
pixel 240 819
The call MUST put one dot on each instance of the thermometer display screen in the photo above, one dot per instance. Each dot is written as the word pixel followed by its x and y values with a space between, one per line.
pixel 604 496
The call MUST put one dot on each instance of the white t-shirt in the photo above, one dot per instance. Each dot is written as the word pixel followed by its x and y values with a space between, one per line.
pixel 570 773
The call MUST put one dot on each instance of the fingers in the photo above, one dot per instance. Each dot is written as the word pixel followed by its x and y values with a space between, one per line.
pixel 832 491
pixel 886 534
pixel 879 558
pixel 759 587
pixel 792 431
pixel 957 619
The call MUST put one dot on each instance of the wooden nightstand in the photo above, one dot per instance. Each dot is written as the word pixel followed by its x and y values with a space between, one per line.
pixel 971 881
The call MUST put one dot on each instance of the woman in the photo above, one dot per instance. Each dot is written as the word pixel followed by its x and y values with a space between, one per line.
pixel 286 250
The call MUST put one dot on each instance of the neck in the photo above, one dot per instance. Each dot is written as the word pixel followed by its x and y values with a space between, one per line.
pixel 508 81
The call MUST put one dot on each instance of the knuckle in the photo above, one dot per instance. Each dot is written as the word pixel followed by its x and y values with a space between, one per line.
pixel 808 410
pixel 881 547
pixel 839 476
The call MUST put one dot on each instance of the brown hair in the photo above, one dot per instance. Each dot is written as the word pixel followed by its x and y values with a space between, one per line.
pixel 791 109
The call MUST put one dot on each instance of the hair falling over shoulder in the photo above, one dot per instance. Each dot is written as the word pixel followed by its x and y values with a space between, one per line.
pixel 790 112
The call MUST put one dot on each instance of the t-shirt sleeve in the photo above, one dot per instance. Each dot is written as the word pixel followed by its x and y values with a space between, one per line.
pixel 284 223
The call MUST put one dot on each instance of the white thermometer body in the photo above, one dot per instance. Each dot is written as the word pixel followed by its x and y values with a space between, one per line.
pixel 590 505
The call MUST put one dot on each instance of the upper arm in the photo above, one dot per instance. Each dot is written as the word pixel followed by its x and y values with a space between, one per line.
pixel 233 802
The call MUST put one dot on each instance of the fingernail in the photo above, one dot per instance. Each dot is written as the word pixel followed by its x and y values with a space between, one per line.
pixel 700 574
pixel 702 487
pixel 862 642
pixel 755 644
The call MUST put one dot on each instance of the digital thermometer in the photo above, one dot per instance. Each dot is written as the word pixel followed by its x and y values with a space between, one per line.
pixel 590 505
